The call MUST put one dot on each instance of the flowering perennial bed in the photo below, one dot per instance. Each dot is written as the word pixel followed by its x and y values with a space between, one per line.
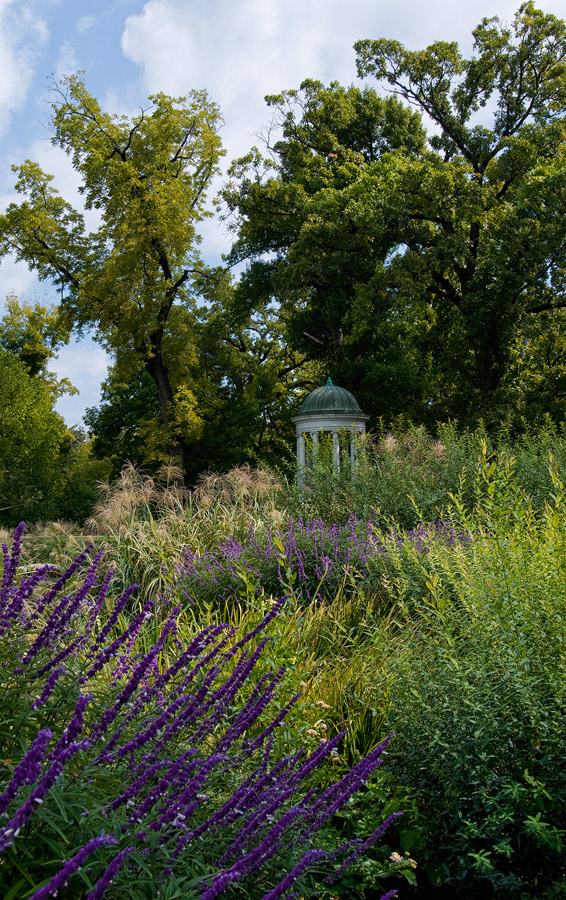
pixel 309 554
pixel 137 765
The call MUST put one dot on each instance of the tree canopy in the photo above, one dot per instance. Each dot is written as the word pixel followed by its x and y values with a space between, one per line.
pixel 428 276
pixel 135 277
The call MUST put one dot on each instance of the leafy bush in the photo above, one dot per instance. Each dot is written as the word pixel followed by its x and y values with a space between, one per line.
pixel 405 475
pixel 138 765
pixel 474 688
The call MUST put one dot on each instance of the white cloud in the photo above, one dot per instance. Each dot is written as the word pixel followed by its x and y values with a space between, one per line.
pixel 16 279
pixel 22 36
pixel 67 62
pixel 242 51
pixel 85 23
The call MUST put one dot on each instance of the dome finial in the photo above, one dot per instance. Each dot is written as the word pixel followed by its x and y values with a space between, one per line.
pixel 329 380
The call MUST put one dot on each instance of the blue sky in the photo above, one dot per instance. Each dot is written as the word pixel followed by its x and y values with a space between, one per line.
pixel 239 50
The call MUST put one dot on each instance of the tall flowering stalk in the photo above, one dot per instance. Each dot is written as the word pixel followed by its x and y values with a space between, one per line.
pixel 159 772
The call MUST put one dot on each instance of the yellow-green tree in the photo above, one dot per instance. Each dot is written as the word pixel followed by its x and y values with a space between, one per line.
pixel 32 439
pixel 134 278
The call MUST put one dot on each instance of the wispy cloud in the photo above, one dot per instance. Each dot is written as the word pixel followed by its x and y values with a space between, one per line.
pixel 85 23
pixel 23 34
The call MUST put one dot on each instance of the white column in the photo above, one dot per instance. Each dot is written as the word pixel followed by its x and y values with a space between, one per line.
pixel 301 450
pixel 336 450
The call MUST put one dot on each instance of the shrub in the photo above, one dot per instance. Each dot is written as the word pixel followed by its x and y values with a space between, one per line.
pixel 475 692
pixel 313 559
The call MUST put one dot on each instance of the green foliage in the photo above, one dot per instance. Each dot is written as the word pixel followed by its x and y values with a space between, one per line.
pixel 428 279
pixel 34 333
pixel 297 211
pixel 133 280
pixel 32 437
pixel 77 490
pixel 402 475
pixel 140 759
pixel 459 649
pixel 475 692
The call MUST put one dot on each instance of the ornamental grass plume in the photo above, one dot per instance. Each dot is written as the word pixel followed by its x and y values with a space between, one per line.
pixel 159 778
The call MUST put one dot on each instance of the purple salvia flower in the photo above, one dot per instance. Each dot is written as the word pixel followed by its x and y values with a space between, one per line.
pixel 267 732
pixel 62 615
pixel 103 656
pixel 97 607
pixel 44 601
pixel 151 658
pixel 113 618
pixel 28 770
pixel 49 686
pixel 74 727
pixel 185 802
pixel 186 762
pixel 226 692
pixel 21 593
pixel 232 808
pixel 14 559
pixel 253 860
pixel 140 783
pixel 145 736
pixel 73 865
pixel 67 651
pixel 109 875
pixel 131 687
pixel 252 710
pixel 311 857
pixel 265 814
pixel 21 816
pixel 335 796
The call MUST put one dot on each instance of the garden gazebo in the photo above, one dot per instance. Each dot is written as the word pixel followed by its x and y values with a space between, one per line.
pixel 328 410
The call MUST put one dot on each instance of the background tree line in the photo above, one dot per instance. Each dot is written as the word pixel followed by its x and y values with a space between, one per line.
pixel 412 246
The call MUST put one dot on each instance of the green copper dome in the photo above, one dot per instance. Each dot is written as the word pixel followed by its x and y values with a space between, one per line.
pixel 330 399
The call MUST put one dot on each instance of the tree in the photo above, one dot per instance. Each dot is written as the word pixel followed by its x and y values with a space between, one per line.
pixel 134 278
pixel 426 277
pixel 293 220
pixel 245 378
pixel 481 263
pixel 33 332
pixel 32 438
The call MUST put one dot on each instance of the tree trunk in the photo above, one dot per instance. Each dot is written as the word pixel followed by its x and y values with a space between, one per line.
pixel 158 371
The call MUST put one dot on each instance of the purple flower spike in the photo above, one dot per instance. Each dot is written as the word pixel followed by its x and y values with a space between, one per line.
pixel 28 770
pixel 49 687
pixel 280 889
pixel 52 888
pixel 109 875
pixel 363 846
